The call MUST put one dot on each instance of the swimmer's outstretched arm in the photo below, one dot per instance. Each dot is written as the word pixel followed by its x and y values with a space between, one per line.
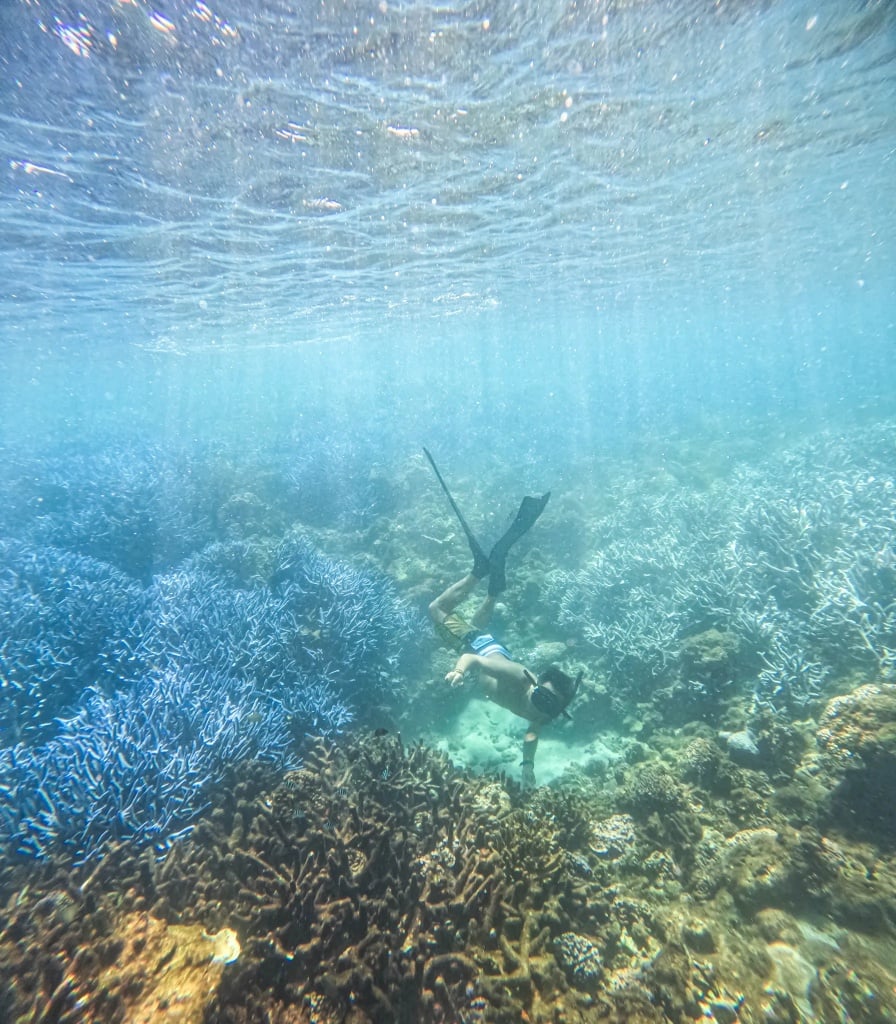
pixel 530 745
pixel 463 665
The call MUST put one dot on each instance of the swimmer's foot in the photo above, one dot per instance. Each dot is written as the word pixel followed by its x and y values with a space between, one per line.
pixel 529 511
pixel 497 581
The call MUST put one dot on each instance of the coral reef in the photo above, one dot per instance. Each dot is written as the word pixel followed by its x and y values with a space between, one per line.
pixel 123 706
pixel 159 783
pixel 362 625
pixel 208 674
pixel 320 619
pixel 373 884
pixel 857 760
pixel 138 507
pixel 63 623
pixel 788 567
pixel 64 957
pixel 145 508
pixel 138 765
pixel 579 958
pixel 378 884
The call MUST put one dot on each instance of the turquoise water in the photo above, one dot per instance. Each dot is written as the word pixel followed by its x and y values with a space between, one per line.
pixel 624 218
pixel 253 257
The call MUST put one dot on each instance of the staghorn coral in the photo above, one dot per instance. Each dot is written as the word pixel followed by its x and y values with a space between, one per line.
pixel 371 882
pixel 377 884
pixel 361 623
pixel 63 623
pixel 137 765
pixel 145 508
pixel 321 619
pixel 208 674
pixel 137 506
pixel 195 619
pixel 791 563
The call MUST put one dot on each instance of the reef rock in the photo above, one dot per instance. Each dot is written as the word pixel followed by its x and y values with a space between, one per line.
pixel 167 972
pixel 857 755
pixel 859 724
pixel 710 655
pixel 759 867
pixel 614 836
pixel 742 748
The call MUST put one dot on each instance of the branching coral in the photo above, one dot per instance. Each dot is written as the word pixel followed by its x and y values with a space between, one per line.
pixel 365 880
pixel 138 507
pixel 63 623
pixel 137 765
pixel 356 615
pixel 323 620
pixel 793 558
pixel 207 674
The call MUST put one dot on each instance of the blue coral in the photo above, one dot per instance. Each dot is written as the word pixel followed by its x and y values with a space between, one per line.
pixel 329 481
pixel 63 623
pixel 137 507
pixel 351 619
pixel 794 556
pixel 195 619
pixel 140 765
pixel 125 696
pixel 208 675
pixel 322 618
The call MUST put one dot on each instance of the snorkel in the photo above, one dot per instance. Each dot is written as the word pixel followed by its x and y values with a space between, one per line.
pixel 549 702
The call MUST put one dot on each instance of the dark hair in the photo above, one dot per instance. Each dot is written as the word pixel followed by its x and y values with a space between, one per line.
pixel 564 686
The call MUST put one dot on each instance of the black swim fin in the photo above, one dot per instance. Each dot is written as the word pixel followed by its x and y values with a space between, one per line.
pixel 529 511
pixel 481 566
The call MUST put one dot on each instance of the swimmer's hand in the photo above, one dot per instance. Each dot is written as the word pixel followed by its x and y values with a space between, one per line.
pixel 455 677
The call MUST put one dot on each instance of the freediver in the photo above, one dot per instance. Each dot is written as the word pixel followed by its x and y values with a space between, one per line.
pixel 503 680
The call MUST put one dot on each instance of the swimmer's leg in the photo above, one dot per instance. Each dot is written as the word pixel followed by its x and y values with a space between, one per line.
pixel 449 599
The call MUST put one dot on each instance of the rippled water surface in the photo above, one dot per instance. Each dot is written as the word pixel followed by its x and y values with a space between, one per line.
pixel 609 177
